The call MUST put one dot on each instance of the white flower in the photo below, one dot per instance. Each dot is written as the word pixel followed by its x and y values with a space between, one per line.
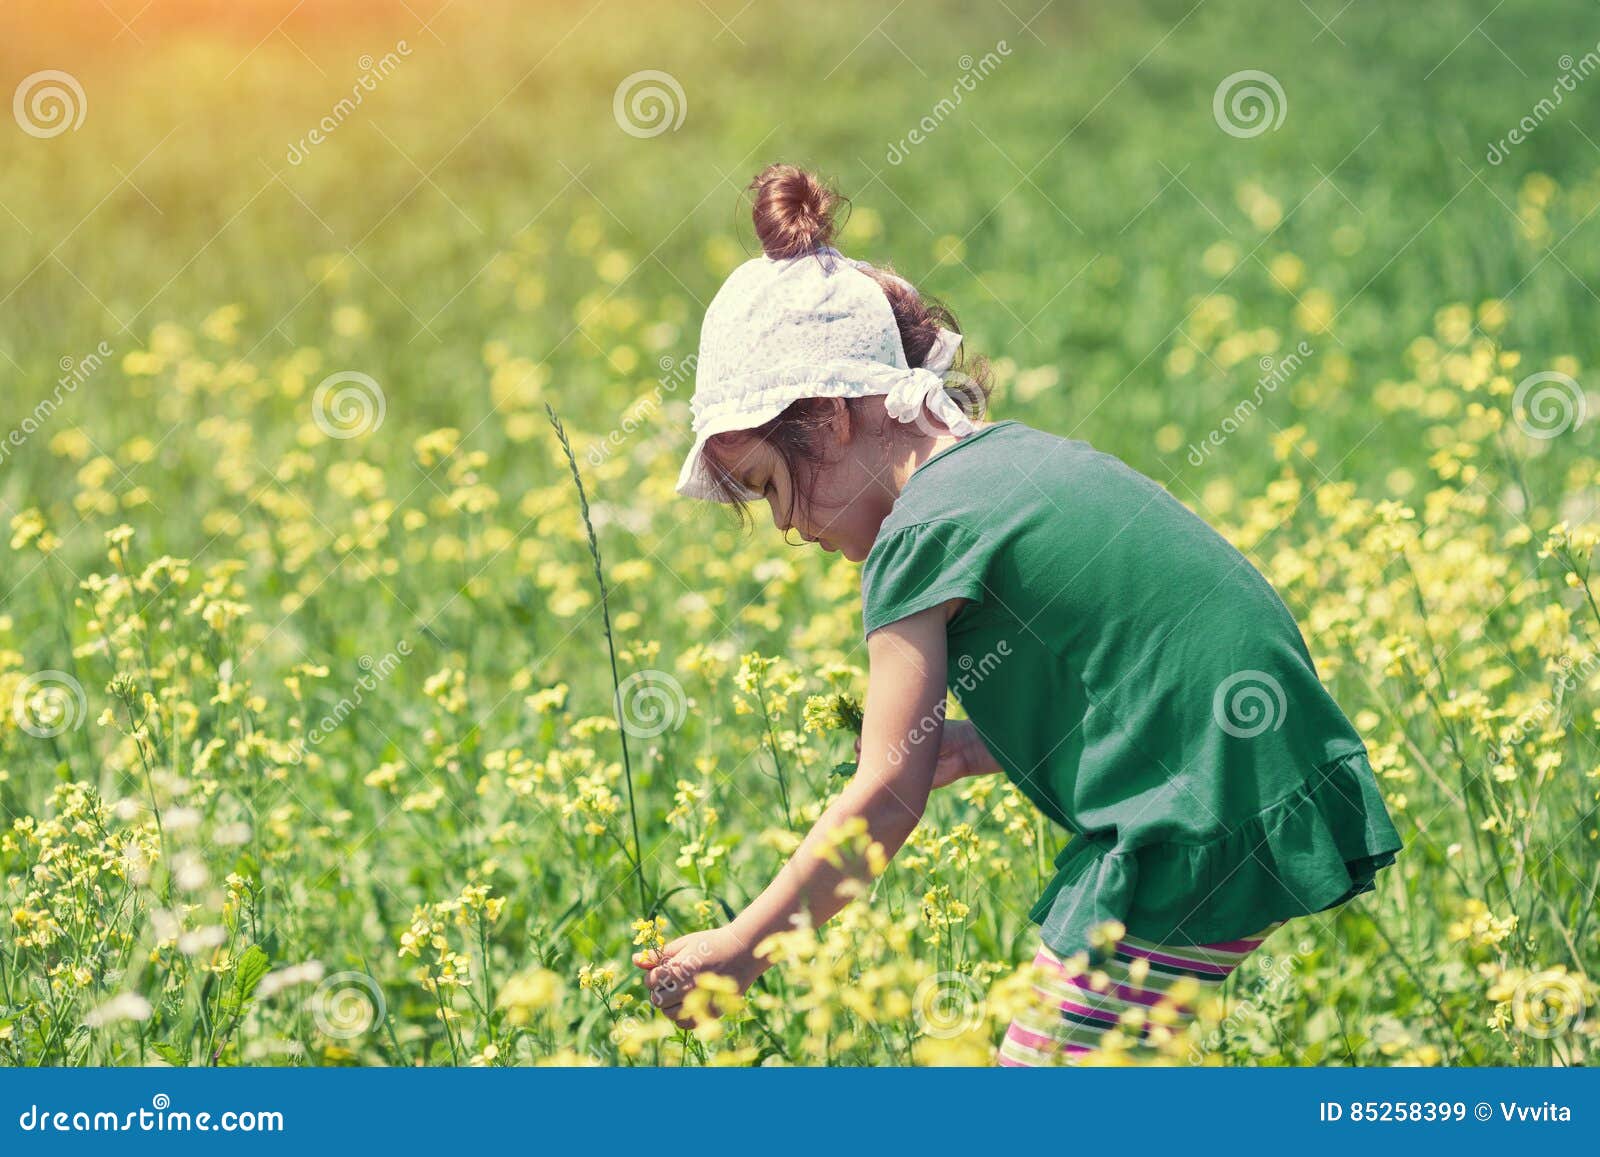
pixel 275 982
pixel 125 1006
pixel 233 834
pixel 189 872
pixel 167 924
pixel 191 943
pixel 181 819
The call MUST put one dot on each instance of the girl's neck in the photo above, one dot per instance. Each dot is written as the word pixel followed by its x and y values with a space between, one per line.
pixel 919 452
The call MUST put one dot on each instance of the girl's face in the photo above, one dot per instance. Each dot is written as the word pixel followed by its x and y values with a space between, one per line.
pixel 850 497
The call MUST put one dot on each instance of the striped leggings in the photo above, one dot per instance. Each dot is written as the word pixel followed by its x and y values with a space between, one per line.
pixel 1139 986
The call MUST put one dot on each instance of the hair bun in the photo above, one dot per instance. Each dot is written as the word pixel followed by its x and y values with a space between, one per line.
pixel 793 211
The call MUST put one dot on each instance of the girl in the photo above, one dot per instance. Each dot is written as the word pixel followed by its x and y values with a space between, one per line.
pixel 1118 660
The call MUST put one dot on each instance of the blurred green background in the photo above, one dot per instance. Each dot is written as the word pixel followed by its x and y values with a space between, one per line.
pixel 1062 209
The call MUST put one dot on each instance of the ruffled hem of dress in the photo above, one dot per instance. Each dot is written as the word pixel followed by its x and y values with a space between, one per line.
pixel 1318 847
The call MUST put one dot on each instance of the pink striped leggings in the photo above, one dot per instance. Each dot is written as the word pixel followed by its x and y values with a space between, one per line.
pixel 1139 986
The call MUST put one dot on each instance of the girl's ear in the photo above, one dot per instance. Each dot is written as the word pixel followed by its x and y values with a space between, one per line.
pixel 839 418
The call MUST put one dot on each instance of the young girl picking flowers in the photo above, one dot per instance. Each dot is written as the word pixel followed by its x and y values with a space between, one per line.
pixel 1117 659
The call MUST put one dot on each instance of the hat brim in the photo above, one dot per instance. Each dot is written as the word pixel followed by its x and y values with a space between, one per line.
pixel 695 479
pixel 778 388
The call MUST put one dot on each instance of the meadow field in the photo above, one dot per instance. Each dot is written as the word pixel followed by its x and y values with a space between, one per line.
pixel 318 745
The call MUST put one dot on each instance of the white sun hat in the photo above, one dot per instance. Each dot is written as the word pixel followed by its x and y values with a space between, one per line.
pixel 813 326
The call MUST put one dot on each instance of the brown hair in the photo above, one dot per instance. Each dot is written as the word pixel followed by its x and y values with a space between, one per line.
pixel 793 211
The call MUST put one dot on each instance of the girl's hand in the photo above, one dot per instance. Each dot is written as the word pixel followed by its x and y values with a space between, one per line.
pixel 962 753
pixel 671 970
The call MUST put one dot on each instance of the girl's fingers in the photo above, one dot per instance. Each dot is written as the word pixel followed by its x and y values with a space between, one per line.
pixel 649 958
pixel 674 1011
pixel 667 988
pixel 666 975
pixel 676 1014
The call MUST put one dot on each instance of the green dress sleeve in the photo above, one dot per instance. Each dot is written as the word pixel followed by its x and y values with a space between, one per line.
pixel 912 568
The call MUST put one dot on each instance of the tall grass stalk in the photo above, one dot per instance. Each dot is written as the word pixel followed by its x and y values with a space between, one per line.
pixel 637 854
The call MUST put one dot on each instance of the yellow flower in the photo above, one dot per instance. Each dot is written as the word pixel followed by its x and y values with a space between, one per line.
pixel 527 993
pixel 650 933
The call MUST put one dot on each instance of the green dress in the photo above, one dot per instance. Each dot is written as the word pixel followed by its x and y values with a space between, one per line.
pixel 1141 683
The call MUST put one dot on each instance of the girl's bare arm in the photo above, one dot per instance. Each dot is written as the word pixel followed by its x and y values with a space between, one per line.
pixel 900 734
pixel 901 728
